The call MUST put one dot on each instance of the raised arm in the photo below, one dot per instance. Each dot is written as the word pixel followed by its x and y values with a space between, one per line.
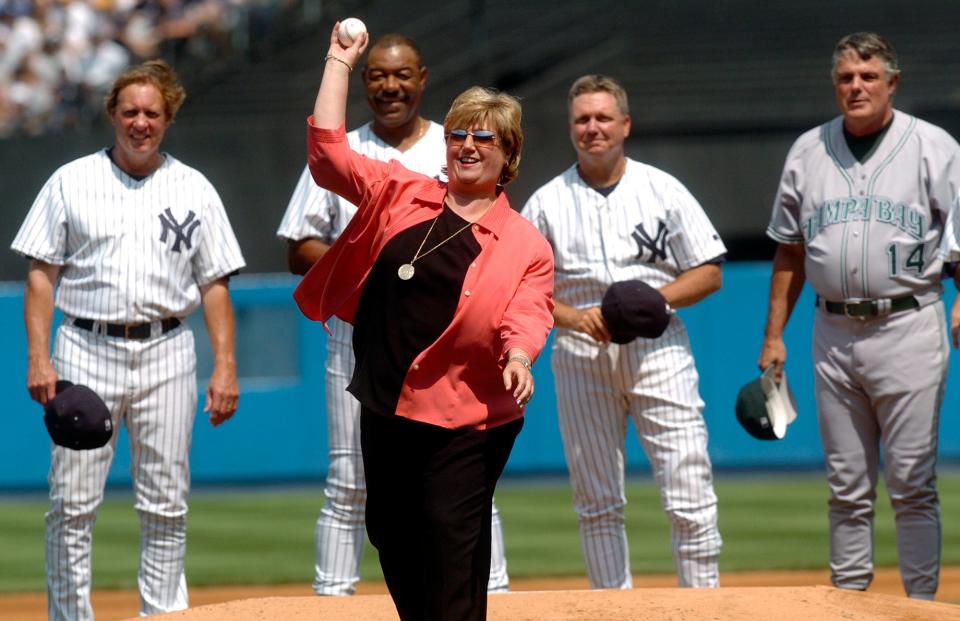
pixel 330 108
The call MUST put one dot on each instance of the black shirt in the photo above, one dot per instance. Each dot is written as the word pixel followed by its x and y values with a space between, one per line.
pixel 862 147
pixel 397 319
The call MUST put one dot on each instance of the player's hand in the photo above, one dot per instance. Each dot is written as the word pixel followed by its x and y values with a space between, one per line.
pixel 351 54
pixel 518 377
pixel 41 379
pixel 773 352
pixel 222 394
pixel 590 322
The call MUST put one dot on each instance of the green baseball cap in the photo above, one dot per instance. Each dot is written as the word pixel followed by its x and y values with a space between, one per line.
pixel 765 408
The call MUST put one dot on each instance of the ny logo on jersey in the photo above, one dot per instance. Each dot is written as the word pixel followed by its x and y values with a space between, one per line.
pixel 657 245
pixel 183 230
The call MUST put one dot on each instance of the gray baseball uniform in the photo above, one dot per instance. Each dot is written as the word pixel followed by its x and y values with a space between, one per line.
pixel 131 251
pixel 316 213
pixel 872 233
pixel 648 228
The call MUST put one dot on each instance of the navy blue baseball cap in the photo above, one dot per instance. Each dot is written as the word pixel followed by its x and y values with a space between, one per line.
pixel 77 418
pixel 632 308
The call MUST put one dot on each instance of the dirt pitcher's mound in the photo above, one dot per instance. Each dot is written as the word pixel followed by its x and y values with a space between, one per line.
pixel 724 604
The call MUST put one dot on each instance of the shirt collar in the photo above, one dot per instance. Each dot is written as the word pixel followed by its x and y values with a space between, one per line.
pixel 495 218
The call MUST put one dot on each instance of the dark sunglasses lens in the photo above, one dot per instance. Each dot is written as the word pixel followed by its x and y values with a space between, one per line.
pixel 484 136
pixel 458 134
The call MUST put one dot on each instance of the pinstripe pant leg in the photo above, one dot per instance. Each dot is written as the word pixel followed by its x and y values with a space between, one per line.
pixel 340 529
pixel 77 478
pixel 160 423
pixel 667 411
pixel 499 581
pixel 593 425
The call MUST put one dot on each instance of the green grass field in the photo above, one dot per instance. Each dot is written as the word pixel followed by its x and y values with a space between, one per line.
pixel 264 536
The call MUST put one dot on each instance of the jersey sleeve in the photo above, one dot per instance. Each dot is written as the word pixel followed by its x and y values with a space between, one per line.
pixel 311 213
pixel 950 242
pixel 693 238
pixel 218 253
pixel 784 224
pixel 941 167
pixel 534 212
pixel 43 234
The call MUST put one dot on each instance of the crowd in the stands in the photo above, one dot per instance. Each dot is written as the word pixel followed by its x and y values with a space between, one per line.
pixel 58 57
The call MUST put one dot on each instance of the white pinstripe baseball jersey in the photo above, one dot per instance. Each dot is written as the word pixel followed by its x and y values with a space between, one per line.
pixel 872 229
pixel 315 212
pixel 649 228
pixel 132 251
pixel 129 251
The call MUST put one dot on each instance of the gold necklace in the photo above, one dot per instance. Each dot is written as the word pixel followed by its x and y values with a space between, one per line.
pixel 405 272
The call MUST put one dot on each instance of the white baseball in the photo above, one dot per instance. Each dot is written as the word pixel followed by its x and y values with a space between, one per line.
pixel 349 30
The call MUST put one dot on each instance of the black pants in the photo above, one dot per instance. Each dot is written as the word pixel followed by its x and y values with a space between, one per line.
pixel 429 497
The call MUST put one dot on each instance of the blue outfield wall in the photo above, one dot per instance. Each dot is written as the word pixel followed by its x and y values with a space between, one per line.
pixel 279 433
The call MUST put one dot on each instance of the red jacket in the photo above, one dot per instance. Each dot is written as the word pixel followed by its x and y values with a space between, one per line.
pixel 506 300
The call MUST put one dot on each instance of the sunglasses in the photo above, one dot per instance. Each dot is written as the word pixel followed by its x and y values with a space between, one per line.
pixel 482 138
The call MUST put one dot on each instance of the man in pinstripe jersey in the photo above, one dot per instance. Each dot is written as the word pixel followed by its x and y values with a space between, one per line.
pixel 395 78
pixel 610 218
pixel 867 212
pixel 132 241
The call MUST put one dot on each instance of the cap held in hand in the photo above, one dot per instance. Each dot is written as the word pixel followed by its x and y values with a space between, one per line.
pixel 632 308
pixel 77 418
pixel 765 408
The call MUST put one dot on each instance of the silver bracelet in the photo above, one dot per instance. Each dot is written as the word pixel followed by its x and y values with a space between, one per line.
pixel 331 56
pixel 522 360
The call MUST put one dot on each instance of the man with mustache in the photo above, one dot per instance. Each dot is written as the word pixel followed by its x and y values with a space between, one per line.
pixel 867 212
pixel 394 78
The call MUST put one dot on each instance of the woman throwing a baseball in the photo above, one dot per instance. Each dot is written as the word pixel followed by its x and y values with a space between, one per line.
pixel 450 294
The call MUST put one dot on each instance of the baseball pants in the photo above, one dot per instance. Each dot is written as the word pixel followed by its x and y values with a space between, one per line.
pixel 876 399
pixel 150 386
pixel 428 512
pixel 655 383
pixel 340 528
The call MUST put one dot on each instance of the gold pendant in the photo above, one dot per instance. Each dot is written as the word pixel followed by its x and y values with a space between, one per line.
pixel 405 272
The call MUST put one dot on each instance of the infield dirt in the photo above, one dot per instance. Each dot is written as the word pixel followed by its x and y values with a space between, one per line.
pixel 781 595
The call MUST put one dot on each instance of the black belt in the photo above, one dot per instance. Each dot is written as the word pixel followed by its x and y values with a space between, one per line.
pixel 871 308
pixel 137 331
